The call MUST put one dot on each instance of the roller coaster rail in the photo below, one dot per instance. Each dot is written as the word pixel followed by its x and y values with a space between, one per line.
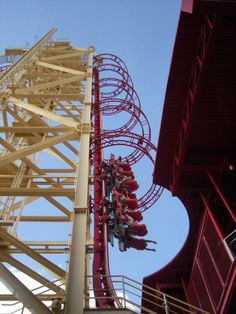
pixel 114 93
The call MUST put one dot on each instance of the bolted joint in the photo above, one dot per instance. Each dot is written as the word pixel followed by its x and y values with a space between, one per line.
pixel 89 247
pixel 91 48
pixel 84 127
pixel 80 210
pixel 90 73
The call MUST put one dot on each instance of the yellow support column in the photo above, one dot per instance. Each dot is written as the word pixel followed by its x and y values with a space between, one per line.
pixel 77 266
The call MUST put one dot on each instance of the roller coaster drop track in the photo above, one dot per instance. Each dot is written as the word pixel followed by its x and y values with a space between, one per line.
pixel 114 93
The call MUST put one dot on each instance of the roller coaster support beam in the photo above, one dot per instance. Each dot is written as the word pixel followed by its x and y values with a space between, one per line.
pixel 24 294
pixel 77 266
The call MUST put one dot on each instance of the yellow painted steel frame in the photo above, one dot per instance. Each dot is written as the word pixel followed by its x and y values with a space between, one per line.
pixel 45 126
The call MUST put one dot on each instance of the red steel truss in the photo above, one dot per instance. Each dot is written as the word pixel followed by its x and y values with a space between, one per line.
pixel 198 164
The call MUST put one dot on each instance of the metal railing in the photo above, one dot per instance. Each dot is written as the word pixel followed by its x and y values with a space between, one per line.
pixel 131 293
pixel 12 74
pixel 42 292
pixel 230 244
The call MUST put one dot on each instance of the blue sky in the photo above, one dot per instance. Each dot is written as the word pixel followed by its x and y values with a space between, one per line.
pixel 141 33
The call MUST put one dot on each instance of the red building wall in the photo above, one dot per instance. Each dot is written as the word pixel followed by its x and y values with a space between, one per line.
pixel 196 157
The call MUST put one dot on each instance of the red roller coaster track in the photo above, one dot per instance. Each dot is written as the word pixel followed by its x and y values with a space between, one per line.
pixel 114 93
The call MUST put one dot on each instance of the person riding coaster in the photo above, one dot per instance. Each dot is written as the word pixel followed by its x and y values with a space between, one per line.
pixel 135 243
pixel 123 173
pixel 138 230
pixel 136 215
pixel 125 166
pixel 139 244
pixel 129 199
pixel 120 204
pixel 128 186
pixel 123 215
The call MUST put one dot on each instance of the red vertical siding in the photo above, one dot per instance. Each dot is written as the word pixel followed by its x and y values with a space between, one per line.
pixel 211 270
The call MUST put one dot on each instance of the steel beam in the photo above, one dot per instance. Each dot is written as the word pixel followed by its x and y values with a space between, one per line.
pixel 43 297
pixel 44 250
pixel 47 85
pixel 63 96
pixel 57 271
pixel 43 112
pixel 65 56
pixel 77 268
pixel 22 293
pixel 62 69
pixel 4 160
pixel 26 160
pixel 28 271
pixel 32 129
pixel 44 218
pixel 50 199
pixel 37 192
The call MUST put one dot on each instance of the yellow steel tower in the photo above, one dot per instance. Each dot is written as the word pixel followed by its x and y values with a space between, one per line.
pixel 45 99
